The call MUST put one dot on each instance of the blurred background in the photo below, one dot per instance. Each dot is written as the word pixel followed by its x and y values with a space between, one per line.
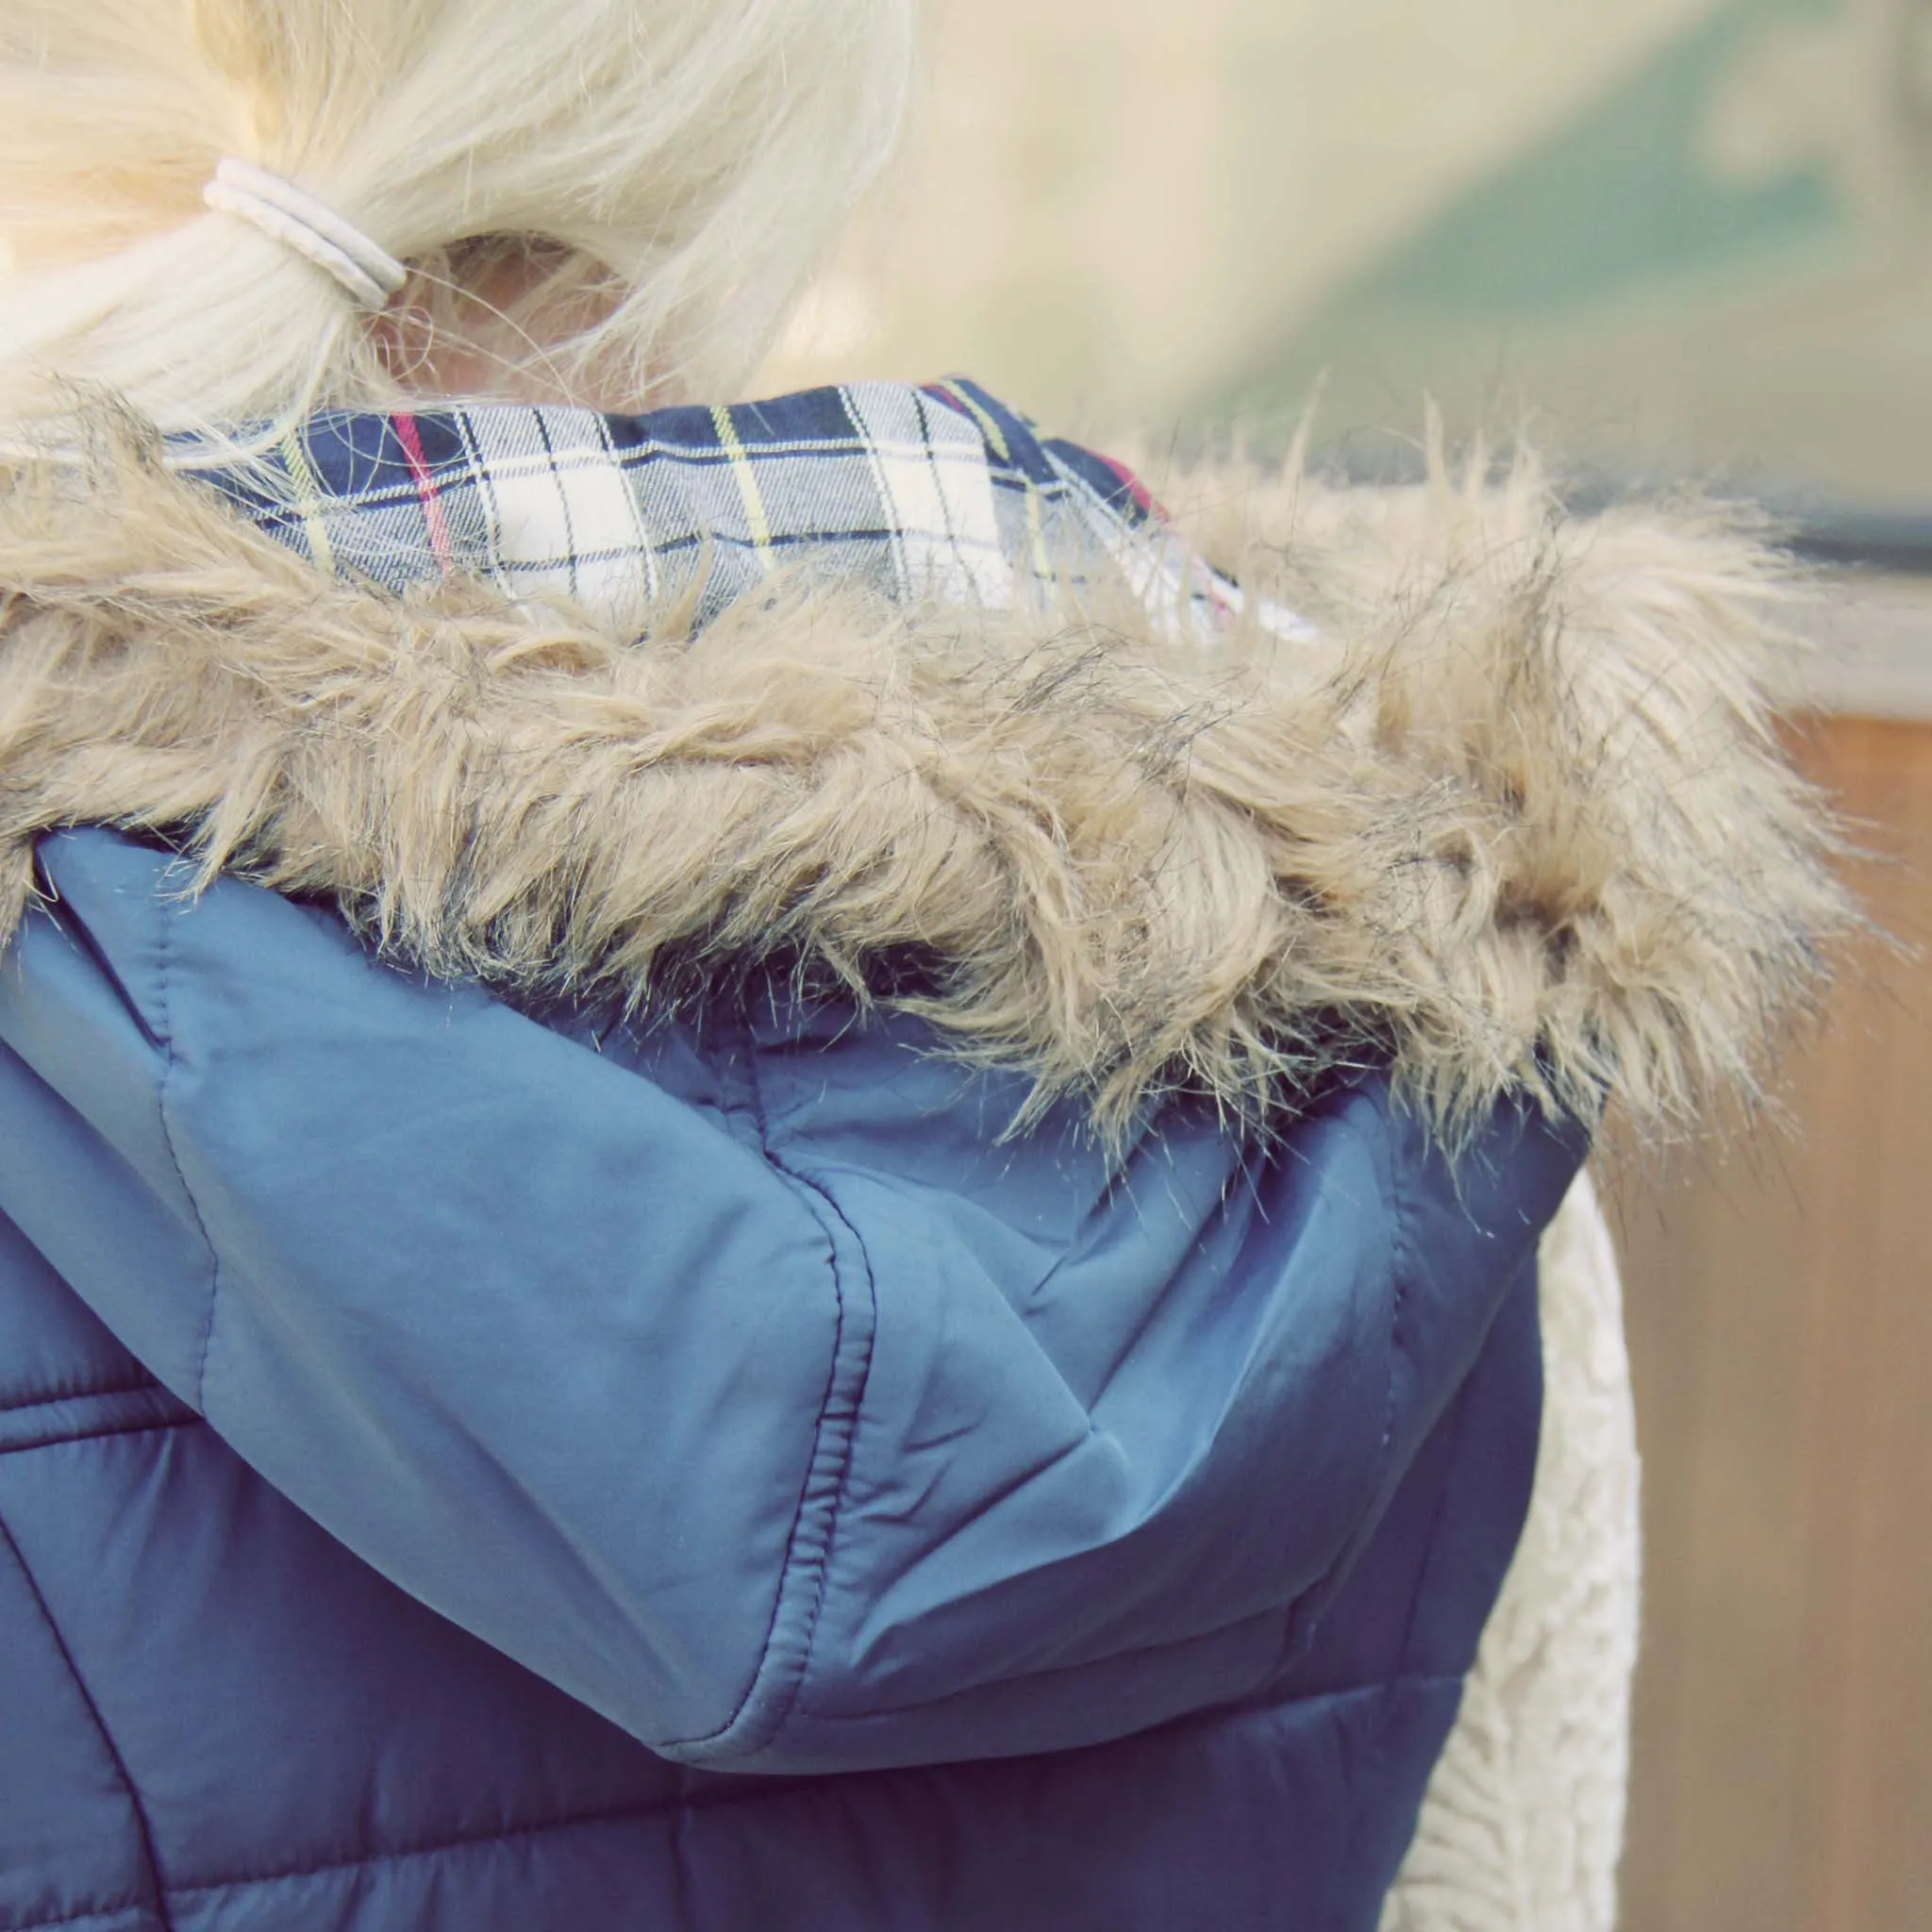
pixel 1673 239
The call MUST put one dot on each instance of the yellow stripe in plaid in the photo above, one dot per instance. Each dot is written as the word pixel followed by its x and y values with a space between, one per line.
pixel 996 438
pixel 756 521
pixel 310 499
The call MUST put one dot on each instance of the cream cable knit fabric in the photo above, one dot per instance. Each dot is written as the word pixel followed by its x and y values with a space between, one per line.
pixel 1523 1820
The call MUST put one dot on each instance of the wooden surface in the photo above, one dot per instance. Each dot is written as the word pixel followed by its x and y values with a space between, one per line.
pixel 1781 1326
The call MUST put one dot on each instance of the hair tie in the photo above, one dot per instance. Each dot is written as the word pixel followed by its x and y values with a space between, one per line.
pixel 316 233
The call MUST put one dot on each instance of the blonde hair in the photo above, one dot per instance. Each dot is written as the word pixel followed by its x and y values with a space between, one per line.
pixel 679 164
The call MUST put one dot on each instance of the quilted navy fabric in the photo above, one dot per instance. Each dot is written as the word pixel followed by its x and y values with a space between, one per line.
pixel 738 1492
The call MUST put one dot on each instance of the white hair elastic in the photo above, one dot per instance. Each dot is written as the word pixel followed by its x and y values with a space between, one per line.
pixel 315 232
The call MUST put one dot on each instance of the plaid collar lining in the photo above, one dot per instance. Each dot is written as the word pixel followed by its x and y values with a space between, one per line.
pixel 937 493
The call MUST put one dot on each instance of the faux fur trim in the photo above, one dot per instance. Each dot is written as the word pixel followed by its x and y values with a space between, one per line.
pixel 1519 821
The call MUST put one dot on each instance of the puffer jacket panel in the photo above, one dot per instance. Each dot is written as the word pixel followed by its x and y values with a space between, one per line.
pixel 380 1486
pixel 235 1723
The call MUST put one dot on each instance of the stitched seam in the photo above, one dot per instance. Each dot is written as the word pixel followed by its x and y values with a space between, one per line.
pixel 820 1205
pixel 754 1102
pixel 56 1400
pixel 60 1441
pixel 1402 1259
pixel 792 1537
pixel 583 1821
pixel 165 966
pixel 1434 1537
pixel 822 1563
pixel 144 1831
pixel 86 1918
pixel 1295 1631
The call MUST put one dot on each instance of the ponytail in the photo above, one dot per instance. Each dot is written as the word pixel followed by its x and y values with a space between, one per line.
pixel 683 161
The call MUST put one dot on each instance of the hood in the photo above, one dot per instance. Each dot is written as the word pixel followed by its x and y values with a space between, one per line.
pixel 1515 818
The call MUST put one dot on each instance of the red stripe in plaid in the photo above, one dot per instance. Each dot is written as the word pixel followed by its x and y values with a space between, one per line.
pixel 437 527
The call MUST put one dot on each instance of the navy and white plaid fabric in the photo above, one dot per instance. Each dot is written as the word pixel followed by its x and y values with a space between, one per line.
pixel 931 494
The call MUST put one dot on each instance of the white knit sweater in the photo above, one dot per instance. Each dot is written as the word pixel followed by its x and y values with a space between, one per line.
pixel 1523 1820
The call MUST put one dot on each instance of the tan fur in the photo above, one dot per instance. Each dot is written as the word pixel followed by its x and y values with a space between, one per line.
pixel 1518 821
